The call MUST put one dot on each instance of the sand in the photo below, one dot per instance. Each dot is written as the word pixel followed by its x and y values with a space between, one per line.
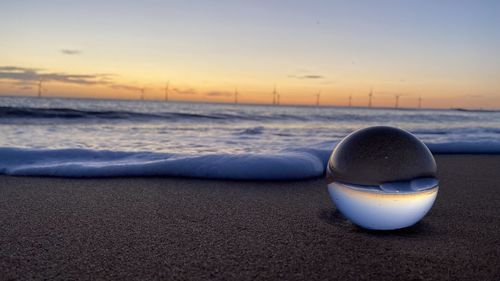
pixel 185 229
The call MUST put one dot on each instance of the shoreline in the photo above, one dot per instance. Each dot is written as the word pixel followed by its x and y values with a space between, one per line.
pixel 196 229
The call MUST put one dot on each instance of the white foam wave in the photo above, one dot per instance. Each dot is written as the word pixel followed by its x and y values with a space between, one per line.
pixel 288 164
pixel 91 163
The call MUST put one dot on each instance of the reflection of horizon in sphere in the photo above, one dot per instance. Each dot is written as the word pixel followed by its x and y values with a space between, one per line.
pixel 382 178
pixel 381 210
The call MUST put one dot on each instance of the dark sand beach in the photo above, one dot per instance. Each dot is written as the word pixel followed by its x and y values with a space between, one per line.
pixel 185 229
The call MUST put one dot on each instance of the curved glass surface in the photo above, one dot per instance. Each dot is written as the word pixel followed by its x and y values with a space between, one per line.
pixel 385 207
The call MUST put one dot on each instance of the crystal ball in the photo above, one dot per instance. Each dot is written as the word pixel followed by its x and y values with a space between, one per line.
pixel 382 178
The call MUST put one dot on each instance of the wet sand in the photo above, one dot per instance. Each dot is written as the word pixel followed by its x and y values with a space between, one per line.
pixel 185 229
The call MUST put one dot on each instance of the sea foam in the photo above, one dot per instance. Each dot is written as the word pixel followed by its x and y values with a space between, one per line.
pixel 288 164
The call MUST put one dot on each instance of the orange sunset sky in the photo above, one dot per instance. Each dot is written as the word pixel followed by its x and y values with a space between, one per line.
pixel 445 52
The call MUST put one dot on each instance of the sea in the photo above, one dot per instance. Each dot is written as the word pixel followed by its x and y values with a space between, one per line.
pixel 112 138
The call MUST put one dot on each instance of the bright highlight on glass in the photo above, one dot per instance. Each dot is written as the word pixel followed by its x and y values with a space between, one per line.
pixel 382 178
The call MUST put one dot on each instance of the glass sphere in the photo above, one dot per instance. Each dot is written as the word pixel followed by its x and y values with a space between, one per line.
pixel 382 178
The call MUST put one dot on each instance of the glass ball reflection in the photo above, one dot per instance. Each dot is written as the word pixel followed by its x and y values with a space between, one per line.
pixel 382 178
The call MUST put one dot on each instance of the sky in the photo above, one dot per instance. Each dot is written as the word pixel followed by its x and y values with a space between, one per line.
pixel 445 52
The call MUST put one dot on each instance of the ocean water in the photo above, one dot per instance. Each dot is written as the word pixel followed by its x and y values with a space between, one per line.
pixel 91 138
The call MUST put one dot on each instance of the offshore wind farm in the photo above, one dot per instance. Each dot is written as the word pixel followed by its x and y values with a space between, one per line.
pixel 276 98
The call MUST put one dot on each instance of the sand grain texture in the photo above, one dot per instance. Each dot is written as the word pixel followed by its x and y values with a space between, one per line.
pixel 186 229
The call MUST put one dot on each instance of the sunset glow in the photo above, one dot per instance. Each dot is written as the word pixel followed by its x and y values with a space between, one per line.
pixel 442 52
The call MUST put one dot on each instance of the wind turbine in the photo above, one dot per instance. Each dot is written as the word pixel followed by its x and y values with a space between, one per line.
pixel 350 100
pixel 317 97
pixel 370 95
pixel 40 88
pixel 142 93
pixel 419 102
pixel 274 95
pixel 236 95
pixel 166 90
pixel 396 104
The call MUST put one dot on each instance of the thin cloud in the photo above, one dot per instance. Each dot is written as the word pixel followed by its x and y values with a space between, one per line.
pixel 218 94
pixel 15 68
pixel 70 52
pixel 27 75
pixel 187 91
pixel 26 78
pixel 125 87
pixel 18 73
pixel 307 76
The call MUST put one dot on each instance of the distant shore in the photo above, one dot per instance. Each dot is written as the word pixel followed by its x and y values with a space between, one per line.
pixel 188 229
